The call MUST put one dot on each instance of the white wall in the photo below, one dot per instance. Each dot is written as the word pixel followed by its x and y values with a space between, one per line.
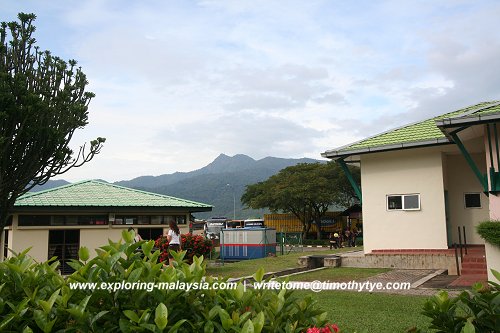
pixel 461 179
pixel 403 172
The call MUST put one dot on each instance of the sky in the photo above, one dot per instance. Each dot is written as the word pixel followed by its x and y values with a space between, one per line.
pixel 179 82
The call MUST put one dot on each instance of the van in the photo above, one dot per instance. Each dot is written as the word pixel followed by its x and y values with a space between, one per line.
pixel 213 227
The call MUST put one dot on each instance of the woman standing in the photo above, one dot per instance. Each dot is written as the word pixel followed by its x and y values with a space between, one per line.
pixel 173 238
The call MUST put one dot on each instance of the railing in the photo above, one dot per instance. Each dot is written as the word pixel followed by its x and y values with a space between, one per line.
pixel 461 246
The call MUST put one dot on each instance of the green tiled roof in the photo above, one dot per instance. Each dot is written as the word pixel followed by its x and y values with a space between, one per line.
pixel 93 193
pixel 424 131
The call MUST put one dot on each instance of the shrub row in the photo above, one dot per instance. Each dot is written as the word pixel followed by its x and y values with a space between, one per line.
pixel 34 297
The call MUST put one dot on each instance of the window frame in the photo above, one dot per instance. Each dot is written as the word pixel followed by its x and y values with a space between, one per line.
pixel 403 202
pixel 480 201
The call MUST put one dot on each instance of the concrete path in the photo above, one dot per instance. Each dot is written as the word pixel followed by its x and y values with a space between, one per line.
pixel 416 277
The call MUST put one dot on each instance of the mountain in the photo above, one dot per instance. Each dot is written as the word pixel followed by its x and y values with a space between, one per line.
pixel 221 183
pixel 50 184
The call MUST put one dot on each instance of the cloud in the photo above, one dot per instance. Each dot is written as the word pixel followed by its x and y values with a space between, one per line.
pixel 179 82
pixel 257 135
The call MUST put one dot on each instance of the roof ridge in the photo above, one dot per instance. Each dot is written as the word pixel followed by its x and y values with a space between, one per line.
pixel 377 139
pixel 102 193
pixel 151 193
pixel 389 131
pixel 31 194
pixel 481 108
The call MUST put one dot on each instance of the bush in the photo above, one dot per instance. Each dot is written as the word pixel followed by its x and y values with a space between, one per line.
pixel 490 232
pixel 478 311
pixel 315 242
pixel 194 245
pixel 35 298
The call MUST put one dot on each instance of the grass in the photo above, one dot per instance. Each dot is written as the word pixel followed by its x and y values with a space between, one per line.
pixel 339 274
pixel 377 312
pixel 352 311
pixel 270 264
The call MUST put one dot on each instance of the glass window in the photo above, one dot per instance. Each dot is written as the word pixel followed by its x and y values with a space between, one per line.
pixel 156 219
pixel 168 218
pixel 34 220
pixel 72 220
pixel 150 233
pixel 411 202
pixel 181 219
pixel 57 220
pixel 99 220
pixel 394 202
pixel 403 202
pixel 143 219
pixel 472 200
pixel 126 219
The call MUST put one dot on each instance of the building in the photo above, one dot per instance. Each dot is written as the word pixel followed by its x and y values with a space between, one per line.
pixel 56 222
pixel 423 182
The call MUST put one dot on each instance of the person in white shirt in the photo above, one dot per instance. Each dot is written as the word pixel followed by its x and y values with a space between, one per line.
pixel 173 238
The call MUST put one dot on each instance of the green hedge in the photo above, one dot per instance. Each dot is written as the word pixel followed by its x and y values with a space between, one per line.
pixel 34 297
pixel 490 232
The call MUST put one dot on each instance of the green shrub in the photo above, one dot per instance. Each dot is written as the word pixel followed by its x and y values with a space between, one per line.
pixel 315 242
pixel 35 298
pixel 490 232
pixel 478 311
pixel 194 245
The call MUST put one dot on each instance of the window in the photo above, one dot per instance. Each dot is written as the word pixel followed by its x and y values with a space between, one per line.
pixel 150 233
pixel 34 220
pixel 64 245
pixel 61 220
pixel 403 202
pixel 472 200
pixel 149 219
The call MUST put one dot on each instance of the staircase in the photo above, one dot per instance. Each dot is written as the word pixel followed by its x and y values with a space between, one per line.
pixel 473 267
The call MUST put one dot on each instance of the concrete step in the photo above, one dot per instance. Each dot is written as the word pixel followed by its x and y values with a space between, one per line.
pixel 473 259
pixel 478 265
pixel 473 271
pixel 469 280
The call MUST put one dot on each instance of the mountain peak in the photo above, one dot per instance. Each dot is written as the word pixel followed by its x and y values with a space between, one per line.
pixel 225 163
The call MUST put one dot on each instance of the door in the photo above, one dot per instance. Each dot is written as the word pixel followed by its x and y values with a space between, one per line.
pixel 64 245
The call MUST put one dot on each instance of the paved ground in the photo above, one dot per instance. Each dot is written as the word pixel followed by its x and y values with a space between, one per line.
pixel 417 278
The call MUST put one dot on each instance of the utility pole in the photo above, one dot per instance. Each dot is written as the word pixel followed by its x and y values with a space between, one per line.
pixel 234 201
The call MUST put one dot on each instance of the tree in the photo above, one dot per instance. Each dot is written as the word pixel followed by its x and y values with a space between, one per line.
pixel 42 102
pixel 306 190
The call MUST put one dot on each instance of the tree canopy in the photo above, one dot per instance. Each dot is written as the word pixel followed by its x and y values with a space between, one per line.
pixel 306 190
pixel 43 100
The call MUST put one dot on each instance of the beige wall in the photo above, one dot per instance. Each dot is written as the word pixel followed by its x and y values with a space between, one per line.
pixel 92 237
pixel 38 240
pixel 492 260
pixel 459 180
pixel 403 172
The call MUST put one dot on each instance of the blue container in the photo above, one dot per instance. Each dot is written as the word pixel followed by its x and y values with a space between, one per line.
pixel 247 243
